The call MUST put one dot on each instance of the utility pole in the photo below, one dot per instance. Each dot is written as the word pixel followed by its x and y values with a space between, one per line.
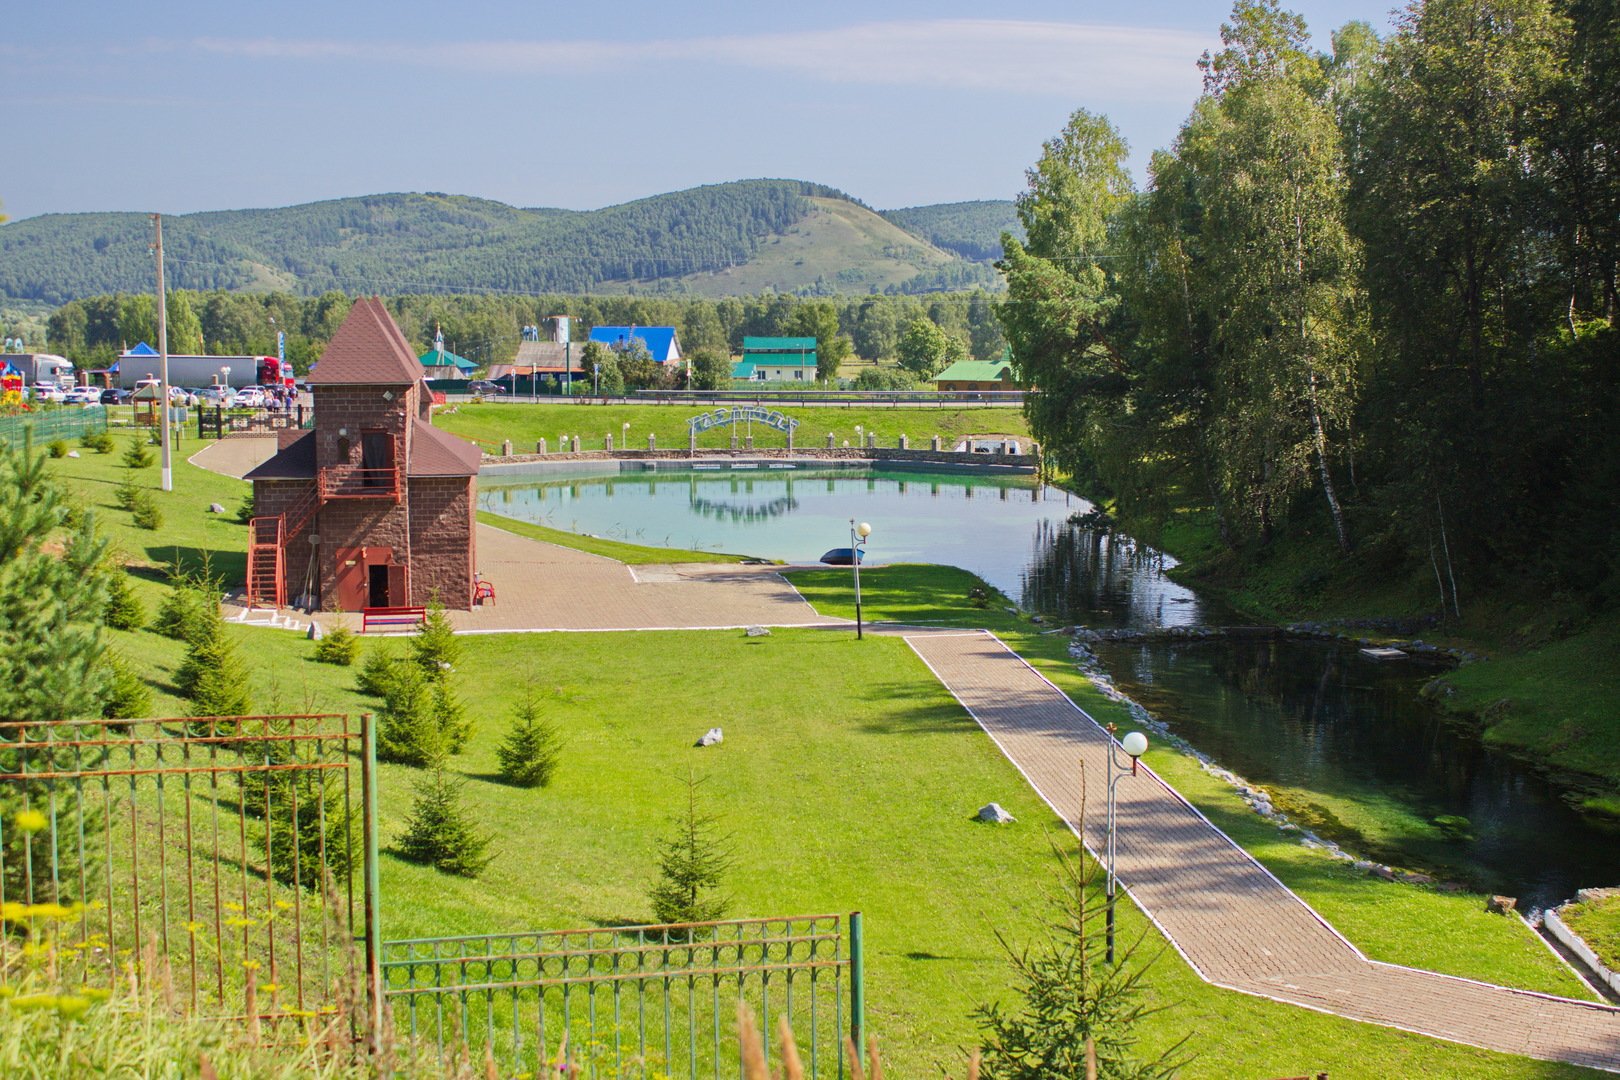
pixel 163 354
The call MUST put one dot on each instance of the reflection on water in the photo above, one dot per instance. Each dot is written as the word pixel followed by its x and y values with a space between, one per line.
pixel 981 522
pixel 1354 732
pixel 1098 577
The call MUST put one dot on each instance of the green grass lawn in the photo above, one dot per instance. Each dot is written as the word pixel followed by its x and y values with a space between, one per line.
pixel 634 554
pixel 1598 924
pixel 847 780
pixel 489 424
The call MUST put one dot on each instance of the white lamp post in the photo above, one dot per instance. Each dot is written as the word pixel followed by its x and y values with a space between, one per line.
pixel 1134 745
pixel 857 544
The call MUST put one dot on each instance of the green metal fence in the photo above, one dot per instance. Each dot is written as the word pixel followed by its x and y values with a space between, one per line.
pixel 53 424
pixel 637 1000
pixel 228 847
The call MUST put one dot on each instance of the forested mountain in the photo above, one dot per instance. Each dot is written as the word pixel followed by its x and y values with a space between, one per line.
pixel 970 229
pixel 435 242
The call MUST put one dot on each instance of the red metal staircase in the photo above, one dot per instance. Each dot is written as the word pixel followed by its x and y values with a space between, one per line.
pixel 268 537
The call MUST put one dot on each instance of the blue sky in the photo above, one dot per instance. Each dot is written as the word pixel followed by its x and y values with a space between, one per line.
pixel 182 105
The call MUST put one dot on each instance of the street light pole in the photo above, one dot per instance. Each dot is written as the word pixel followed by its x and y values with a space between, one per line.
pixel 857 544
pixel 1134 745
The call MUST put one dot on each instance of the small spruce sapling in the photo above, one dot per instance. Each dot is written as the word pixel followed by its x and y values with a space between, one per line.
pixel 125 694
pixel 529 752
pixel 124 610
pixel 137 455
pixel 440 832
pixel 692 863
pixel 434 646
pixel 338 646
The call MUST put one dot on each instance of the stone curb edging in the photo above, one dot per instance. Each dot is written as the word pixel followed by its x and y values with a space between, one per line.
pixel 1577 945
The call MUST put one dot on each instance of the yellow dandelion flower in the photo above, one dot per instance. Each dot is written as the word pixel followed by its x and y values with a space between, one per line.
pixel 252 965
pixel 283 904
pixel 233 907
pixel 193 926
pixel 29 821
pixel 270 988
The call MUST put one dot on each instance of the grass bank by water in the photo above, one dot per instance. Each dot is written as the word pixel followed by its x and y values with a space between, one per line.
pixel 490 423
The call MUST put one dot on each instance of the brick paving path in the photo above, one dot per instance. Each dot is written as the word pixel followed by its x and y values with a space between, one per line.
pixel 1238 926
pixel 541 586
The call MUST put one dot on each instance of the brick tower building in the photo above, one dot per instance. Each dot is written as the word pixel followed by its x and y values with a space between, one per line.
pixel 374 506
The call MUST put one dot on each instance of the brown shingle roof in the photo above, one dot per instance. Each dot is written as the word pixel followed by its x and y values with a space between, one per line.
pixel 435 453
pixel 294 459
pixel 367 350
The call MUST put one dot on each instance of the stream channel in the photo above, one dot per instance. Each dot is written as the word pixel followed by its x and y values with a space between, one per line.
pixel 1346 743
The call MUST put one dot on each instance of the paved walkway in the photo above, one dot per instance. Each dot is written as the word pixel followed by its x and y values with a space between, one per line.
pixel 541 586
pixel 1238 926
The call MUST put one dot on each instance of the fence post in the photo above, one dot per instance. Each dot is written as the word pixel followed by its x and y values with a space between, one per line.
pixel 368 802
pixel 857 986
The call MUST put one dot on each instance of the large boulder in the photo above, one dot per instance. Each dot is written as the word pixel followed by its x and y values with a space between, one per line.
pixel 993 813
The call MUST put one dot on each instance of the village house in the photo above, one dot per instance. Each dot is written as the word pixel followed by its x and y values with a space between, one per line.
pixel 659 341
pixel 777 359
pixel 968 375
pixel 375 506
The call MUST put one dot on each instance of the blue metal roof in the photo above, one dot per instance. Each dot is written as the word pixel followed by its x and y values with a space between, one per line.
pixel 143 349
pixel 659 340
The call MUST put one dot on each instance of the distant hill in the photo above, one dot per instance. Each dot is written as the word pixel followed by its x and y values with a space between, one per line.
pixel 722 239
pixel 969 229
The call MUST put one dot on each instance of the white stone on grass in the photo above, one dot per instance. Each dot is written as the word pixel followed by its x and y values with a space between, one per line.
pixel 711 737
pixel 758 631
pixel 993 812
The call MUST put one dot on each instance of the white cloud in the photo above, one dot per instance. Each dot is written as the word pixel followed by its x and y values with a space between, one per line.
pixel 1067 60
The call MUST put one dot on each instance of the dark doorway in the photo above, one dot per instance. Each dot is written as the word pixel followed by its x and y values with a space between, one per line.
pixel 376 458
pixel 377 586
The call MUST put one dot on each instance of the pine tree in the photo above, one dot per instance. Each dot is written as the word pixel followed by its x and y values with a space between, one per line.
pixel 127 694
pixel 434 646
pixel 692 862
pixel 529 752
pixel 219 679
pixel 124 610
pixel 137 455
pixel 51 604
pixel 408 731
pixel 338 646
pixel 440 832
pixel 1071 1001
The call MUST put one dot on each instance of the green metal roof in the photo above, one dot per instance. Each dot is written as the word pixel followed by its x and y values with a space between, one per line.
pixel 743 370
pixel 446 358
pixel 974 371
pixel 779 344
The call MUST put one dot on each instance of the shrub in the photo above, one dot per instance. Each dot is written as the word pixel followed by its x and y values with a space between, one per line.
pixel 99 441
pixel 339 646
pixel 124 610
pixel 126 694
pixel 529 752
pixel 58 448
pixel 692 861
pixel 136 455
pixel 440 832
pixel 187 612
pixel 146 512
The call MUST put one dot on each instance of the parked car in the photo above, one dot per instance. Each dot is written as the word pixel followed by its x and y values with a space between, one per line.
pixel 214 395
pixel 115 396
pixel 48 392
pixel 82 395
pixel 249 397
pixel 484 386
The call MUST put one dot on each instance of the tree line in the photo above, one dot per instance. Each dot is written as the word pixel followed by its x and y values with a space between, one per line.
pixel 486 329
pixel 1367 301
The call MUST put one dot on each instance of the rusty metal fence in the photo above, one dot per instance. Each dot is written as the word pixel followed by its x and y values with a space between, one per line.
pixel 633 1001
pixel 229 847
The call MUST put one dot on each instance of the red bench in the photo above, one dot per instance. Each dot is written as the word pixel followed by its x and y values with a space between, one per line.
pixel 391 616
